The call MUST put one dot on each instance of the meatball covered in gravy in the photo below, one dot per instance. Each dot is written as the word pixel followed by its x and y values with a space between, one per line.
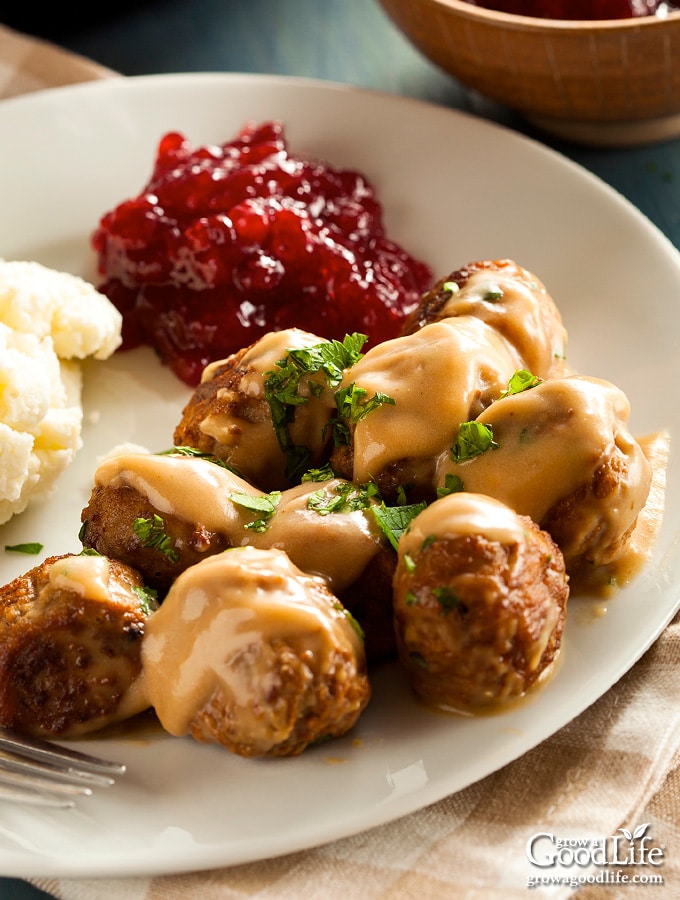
pixel 250 652
pixel 432 380
pixel 480 599
pixel 70 653
pixel 509 299
pixel 162 513
pixel 564 456
pixel 229 414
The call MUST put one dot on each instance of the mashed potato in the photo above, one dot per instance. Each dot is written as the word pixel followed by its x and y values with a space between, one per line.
pixel 49 321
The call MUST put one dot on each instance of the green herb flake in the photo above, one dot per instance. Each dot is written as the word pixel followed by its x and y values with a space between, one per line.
pixel 411 598
pixel 446 599
pixel 350 618
pixel 282 389
pixel 450 287
pixel 522 380
pixel 265 505
pixel 324 473
pixel 429 540
pixel 148 599
pixel 32 548
pixel 409 563
pixel 354 405
pixel 152 534
pixel 474 438
pixel 194 453
pixel 395 520
pixel 452 485
pixel 493 292
pixel 342 498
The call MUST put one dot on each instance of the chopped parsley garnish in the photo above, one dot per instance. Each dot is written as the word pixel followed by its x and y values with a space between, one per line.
pixel 350 618
pixel 522 380
pixel 452 485
pixel 354 405
pixel 282 389
pixel 148 599
pixel 265 505
pixel 193 452
pixel 474 438
pixel 152 534
pixel 450 287
pixel 408 562
pixel 395 520
pixel 324 473
pixel 411 598
pixel 330 357
pixel 31 547
pixel 429 540
pixel 343 497
pixel 493 292
pixel 446 598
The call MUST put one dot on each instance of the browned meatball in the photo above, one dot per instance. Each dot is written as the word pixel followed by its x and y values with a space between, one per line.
pixel 250 652
pixel 564 456
pixel 480 597
pixel 408 397
pixel 229 414
pixel 162 513
pixel 510 300
pixel 70 652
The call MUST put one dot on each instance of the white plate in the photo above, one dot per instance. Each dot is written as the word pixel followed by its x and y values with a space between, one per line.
pixel 455 189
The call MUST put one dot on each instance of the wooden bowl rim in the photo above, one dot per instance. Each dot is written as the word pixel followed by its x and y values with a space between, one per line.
pixel 533 23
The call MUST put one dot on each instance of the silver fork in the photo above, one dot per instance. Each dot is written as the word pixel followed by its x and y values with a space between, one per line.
pixel 41 773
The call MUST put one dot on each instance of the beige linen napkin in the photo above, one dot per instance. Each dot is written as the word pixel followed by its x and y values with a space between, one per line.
pixel 612 772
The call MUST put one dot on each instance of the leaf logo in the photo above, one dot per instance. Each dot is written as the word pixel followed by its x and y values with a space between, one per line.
pixel 638 833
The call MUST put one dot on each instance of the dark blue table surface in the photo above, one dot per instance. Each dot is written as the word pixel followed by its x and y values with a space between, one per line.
pixel 349 41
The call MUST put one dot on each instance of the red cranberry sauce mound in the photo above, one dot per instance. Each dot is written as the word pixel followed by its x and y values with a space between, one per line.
pixel 228 242
pixel 580 9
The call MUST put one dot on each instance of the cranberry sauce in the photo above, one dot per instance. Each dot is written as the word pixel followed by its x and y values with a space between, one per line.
pixel 230 241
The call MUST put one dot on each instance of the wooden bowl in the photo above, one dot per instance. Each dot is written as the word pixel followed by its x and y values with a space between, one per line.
pixel 608 82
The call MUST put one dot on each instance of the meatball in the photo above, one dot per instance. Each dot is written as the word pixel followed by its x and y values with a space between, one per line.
pixel 250 652
pixel 229 414
pixel 70 654
pixel 408 396
pixel 509 299
pixel 563 455
pixel 480 598
pixel 162 513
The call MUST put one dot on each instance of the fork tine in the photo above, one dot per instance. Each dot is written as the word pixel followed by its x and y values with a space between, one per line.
pixel 60 757
pixel 35 798
pixel 29 781
pixel 21 766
